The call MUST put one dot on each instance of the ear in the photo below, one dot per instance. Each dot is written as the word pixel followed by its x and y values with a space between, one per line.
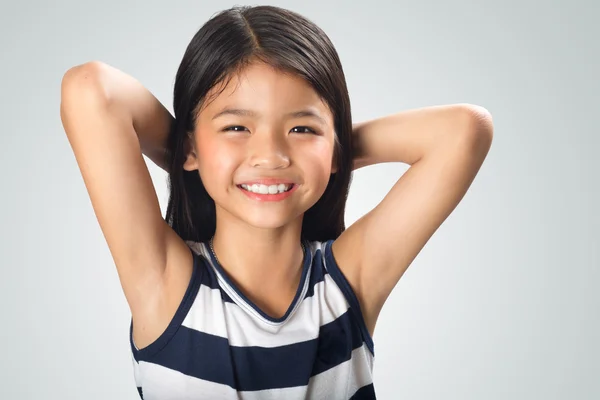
pixel 191 160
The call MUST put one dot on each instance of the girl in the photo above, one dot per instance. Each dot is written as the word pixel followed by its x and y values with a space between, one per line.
pixel 252 287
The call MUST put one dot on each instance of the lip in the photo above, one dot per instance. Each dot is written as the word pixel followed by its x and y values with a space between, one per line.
pixel 269 197
pixel 267 181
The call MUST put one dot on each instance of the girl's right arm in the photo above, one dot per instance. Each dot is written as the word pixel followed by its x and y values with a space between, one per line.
pixel 109 118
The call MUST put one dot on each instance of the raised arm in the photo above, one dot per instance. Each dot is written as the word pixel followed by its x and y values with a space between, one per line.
pixel 108 118
pixel 445 146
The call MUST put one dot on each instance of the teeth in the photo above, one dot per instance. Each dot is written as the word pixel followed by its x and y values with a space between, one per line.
pixel 264 189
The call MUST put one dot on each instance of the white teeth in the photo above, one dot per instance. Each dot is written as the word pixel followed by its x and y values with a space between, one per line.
pixel 264 189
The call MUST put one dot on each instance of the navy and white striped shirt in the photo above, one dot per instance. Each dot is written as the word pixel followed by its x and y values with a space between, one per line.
pixel 220 345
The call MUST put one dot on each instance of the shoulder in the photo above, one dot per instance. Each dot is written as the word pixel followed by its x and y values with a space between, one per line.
pixel 343 259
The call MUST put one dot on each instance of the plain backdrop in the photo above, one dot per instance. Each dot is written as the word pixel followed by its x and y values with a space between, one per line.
pixel 503 301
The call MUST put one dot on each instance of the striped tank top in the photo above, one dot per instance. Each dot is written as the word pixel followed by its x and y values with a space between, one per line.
pixel 220 345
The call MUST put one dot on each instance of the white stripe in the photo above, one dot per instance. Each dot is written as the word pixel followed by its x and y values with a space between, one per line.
pixel 340 382
pixel 136 372
pixel 209 314
pixel 161 383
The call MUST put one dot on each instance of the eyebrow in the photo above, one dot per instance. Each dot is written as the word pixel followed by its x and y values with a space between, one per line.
pixel 250 113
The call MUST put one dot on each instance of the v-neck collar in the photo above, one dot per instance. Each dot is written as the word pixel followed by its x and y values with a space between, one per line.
pixel 247 303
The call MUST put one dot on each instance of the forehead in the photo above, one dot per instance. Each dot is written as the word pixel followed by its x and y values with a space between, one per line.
pixel 266 90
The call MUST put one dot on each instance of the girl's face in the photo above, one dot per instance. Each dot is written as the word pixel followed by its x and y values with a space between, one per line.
pixel 264 125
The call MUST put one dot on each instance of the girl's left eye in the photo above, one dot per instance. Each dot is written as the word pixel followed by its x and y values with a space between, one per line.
pixel 304 127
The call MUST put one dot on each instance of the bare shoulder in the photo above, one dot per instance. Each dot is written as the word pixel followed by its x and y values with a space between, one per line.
pixel 346 252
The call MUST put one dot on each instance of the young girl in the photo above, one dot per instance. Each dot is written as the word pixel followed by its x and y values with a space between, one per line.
pixel 252 287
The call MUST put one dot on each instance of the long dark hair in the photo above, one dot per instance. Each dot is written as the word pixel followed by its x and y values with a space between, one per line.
pixel 227 43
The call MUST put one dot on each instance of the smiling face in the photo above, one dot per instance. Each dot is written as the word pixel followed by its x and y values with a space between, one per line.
pixel 265 127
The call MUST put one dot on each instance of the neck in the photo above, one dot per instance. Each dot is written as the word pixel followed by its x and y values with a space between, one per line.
pixel 259 258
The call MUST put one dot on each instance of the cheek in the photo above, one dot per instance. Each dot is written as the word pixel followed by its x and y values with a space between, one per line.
pixel 318 162
pixel 216 162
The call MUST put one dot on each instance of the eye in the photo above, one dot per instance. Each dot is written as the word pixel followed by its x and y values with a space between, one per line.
pixel 230 128
pixel 310 130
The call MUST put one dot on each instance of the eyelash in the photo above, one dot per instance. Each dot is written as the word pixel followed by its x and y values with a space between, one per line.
pixel 240 126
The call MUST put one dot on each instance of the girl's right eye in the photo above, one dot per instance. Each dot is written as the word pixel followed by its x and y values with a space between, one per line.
pixel 230 128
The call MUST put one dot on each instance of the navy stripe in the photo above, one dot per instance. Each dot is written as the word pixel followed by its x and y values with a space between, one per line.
pixel 139 389
pixel 211 358
pixel 339 278
pixel 337 340
pixel 366 392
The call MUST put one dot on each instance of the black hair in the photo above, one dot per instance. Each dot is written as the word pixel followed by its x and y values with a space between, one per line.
pixel 224 45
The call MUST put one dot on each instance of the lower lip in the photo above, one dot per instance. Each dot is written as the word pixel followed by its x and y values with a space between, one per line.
pixel 269 197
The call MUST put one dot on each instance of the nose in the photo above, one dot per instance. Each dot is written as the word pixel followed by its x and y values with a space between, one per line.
pixel 269 150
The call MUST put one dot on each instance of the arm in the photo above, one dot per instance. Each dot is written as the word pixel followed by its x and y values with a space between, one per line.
pixel 445 146
pixel 150 119
pixel 408 135
pixel 144 248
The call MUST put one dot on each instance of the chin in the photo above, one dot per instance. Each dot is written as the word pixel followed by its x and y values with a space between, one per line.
pixel 268 219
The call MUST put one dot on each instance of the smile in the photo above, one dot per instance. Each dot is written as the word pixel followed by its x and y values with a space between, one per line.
pixel 268 193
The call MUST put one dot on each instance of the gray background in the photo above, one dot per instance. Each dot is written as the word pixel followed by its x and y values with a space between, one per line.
pixel 503 301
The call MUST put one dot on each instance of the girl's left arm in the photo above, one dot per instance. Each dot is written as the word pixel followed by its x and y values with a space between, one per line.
pixel 409 135
pixel 445 147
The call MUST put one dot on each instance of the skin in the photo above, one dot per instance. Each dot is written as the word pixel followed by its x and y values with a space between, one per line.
pixel 254 239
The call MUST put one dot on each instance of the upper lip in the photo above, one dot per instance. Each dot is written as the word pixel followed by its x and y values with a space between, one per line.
pixel 268 181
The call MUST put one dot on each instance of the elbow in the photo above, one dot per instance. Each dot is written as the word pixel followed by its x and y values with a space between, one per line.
pixel 80 91
pixel 80 85
pixel 85 77
pixel 479 123
pixel 479 120
pixel 479 129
